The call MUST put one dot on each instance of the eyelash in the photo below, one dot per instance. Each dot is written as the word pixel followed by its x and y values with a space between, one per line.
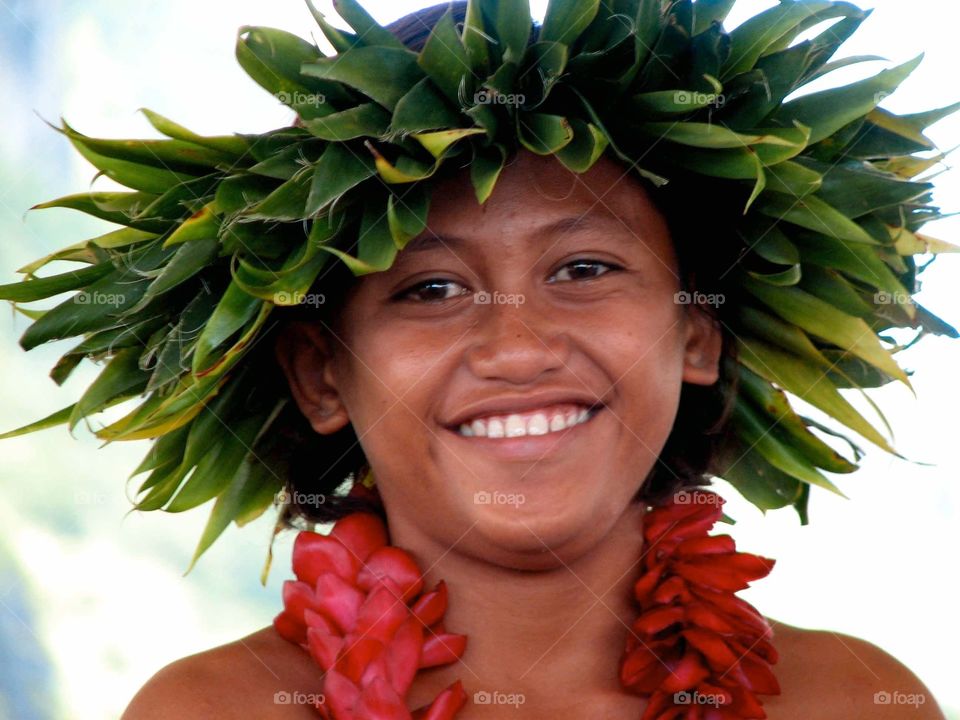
pixel 404 294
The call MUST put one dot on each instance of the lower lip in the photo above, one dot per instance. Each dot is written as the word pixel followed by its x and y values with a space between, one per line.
pixel 529 447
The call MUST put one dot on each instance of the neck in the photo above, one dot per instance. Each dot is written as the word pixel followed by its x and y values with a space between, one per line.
pixel 546 638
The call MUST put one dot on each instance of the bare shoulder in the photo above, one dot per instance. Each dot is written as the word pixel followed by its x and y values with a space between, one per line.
pixel 260 675
pixel 830 675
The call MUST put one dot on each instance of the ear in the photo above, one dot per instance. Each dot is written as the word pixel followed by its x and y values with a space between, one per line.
pixel 304 353
pixel 704 342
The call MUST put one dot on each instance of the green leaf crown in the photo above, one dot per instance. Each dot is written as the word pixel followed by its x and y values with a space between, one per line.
pixel 217 232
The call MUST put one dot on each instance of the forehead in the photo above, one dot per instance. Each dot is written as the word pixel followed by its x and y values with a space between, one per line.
pixel 537 195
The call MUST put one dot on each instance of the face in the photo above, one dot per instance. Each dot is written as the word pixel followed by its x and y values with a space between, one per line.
pixel 553 300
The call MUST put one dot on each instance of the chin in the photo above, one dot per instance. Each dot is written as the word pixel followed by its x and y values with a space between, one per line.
pixel 536 535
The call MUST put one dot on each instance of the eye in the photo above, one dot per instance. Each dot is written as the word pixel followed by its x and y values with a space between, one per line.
pixel 431 291
pixel 582 269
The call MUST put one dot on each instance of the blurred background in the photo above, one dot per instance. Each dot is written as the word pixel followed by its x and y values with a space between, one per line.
pixel 93 601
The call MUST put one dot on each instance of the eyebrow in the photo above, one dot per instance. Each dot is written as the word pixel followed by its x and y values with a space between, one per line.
pixel 570 224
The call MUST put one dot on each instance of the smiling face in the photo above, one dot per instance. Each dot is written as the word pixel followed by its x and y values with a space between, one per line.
pixel 577 276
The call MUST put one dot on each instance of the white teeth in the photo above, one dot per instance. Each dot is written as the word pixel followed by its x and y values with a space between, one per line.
pixel 516 425
pixel 538 425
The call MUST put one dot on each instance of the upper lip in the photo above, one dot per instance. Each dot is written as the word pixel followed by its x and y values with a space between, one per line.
pixel 507 404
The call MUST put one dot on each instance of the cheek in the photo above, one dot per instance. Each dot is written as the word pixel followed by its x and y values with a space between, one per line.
pixel 644 361
pixel 390 387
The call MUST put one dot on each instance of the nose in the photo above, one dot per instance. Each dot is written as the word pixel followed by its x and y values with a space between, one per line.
pixel 517 341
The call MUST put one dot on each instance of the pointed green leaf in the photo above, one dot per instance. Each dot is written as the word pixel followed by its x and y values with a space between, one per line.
pixel 823 320
pixel 544 134
pixel 444 59
pixel 383 74
pixel 339 169
pixel 565 20
pixel 39 288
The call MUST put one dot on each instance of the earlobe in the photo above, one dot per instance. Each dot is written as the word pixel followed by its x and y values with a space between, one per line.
pixel 304 354
pixel 701 362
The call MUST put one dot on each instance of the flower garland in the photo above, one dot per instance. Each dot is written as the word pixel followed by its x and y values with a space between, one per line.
pixel 696 650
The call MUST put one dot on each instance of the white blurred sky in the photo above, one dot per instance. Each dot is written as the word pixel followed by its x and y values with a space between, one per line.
pixel 111 605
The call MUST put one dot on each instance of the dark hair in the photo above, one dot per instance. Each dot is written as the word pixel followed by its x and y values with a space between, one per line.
pixel 320 464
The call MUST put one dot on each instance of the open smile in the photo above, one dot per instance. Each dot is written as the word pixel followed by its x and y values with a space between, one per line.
pixel 528 435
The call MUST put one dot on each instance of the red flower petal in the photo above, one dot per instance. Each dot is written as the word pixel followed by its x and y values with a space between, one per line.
pixel 361 534
pixel 357 654
pixel 380 702
pixel 658 619
pixel 381 613
pixel 338 600
pixel 647 583
pixel 402 657
pixel 396 564
pixel 340 695
pixel 297 597
pixel 446 704
pixel 290 629
pixel 324 647
pixel 442 649
pixel 717 653
pixel 431 606
pixel 315 554
pixel 671 589
pixel 685 674
pixel 319 621
pixel 709 545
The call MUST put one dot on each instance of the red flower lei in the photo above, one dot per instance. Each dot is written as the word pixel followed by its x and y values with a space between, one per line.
pixel 696 650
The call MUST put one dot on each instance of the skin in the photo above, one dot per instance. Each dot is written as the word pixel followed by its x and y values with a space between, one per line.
pixel 540 586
